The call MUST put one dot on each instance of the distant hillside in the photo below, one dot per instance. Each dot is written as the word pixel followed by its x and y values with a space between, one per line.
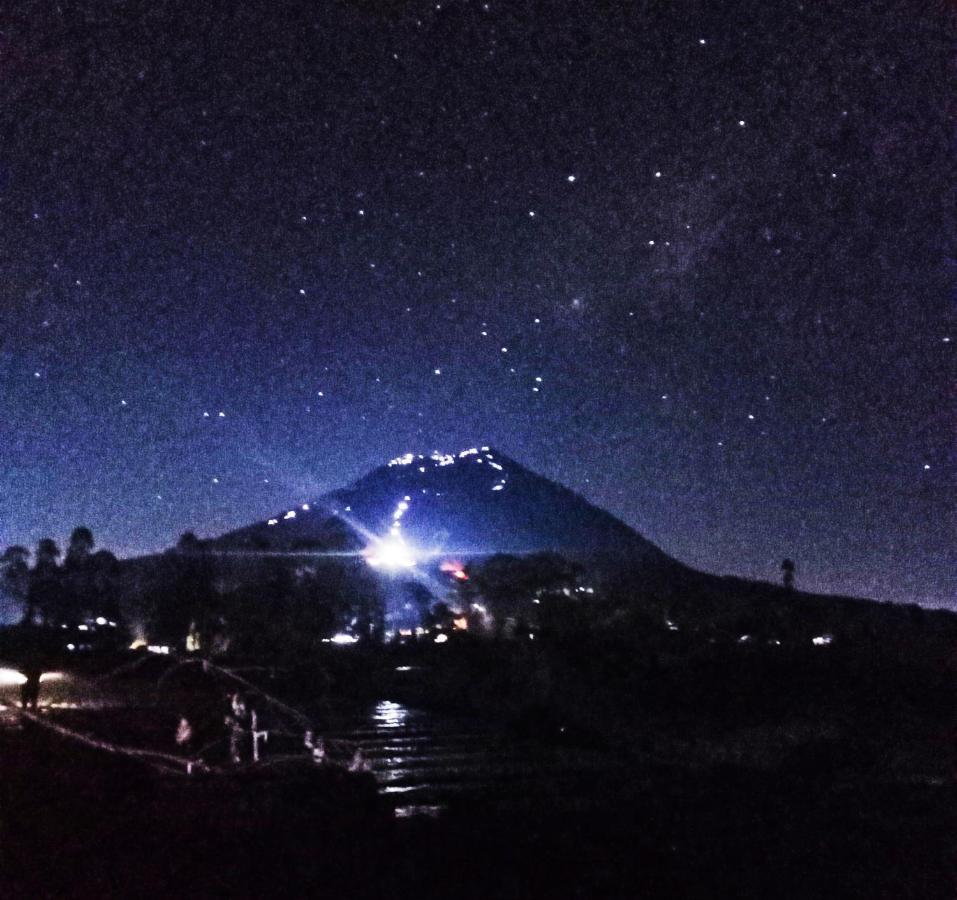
pixel 419 511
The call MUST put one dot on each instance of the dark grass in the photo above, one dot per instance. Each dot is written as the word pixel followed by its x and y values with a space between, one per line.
pixel 859 801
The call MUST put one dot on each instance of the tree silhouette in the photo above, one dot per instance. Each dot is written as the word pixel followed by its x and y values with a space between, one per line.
pixel 103 589
pixel 47 554
pixel 16 577
pixel 81 546
pixel 787 568
pixel 191 600
pixel 45 592
pixel 510 585
pixel 189 543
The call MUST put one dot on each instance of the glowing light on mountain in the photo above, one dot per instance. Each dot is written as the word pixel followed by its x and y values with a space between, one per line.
pixel 454 569
pixel 391 553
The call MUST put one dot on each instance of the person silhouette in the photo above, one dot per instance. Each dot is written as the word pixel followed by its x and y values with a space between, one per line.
pixel 236 727
pixel 30 689
pixel 359 763
pixel 184 733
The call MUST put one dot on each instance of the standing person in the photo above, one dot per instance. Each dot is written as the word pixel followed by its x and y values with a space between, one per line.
pixel 184 733
pixel 30 689
pixel 236 727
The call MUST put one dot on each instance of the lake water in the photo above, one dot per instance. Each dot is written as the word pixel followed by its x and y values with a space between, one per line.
pixel 424 762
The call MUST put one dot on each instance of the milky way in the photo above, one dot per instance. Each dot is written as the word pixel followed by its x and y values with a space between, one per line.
pixel 690 259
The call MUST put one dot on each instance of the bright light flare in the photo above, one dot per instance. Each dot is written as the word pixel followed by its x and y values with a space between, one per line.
pixel 11 678
pixel 343 638
pixel 391 553
pixel 14 678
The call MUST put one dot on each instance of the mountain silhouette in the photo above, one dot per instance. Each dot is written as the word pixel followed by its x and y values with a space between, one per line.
pixel 475 502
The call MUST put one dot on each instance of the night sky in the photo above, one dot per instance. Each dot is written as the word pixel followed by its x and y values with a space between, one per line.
pixel 692 259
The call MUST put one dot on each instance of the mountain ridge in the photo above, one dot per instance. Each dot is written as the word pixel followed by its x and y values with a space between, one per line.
pixel 474 502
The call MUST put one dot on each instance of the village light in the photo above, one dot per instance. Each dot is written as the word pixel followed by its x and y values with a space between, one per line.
pixel 343 638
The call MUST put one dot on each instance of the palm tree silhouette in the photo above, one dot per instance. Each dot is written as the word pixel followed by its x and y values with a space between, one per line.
pixel 787 567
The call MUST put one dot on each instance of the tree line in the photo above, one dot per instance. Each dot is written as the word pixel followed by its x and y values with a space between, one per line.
pixel 60 589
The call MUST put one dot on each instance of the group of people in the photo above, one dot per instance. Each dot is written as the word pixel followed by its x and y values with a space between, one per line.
pixel 243 736
pixel 241 731
pixel 317 747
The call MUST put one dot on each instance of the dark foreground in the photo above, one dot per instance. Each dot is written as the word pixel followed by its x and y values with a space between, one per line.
pixel 72 833
pixel 851 809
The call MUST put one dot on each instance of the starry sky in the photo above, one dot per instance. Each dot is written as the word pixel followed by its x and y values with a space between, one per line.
pixel 692 259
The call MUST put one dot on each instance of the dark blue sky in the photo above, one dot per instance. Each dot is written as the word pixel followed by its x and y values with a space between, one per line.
pixel 719 233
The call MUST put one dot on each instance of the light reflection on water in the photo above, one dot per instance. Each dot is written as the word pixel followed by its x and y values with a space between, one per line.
pixel 406 812
pixel 424 761
pixel 389 714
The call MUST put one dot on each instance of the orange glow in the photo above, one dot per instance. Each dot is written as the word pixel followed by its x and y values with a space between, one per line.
pixel 453 568
pixel 461 623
